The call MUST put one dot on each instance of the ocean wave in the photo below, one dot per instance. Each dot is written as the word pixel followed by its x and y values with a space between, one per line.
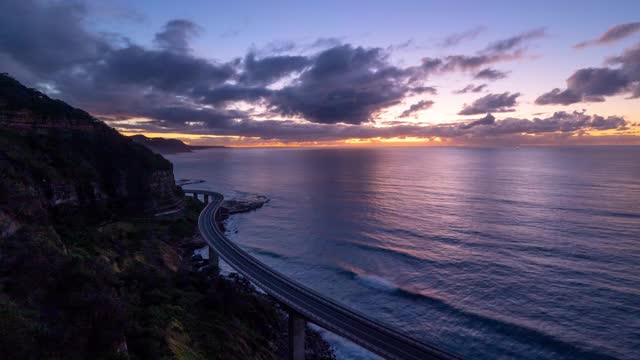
pixel 265 252
pixel 394 251
pixel 523 333
pixel 378 282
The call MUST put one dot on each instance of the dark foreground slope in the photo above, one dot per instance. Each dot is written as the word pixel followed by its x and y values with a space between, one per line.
pixel 87 271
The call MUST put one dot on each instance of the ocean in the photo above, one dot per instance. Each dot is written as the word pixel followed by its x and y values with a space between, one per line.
pixel 493 253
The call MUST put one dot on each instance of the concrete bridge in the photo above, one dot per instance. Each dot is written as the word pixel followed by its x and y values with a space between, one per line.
pixel 305 305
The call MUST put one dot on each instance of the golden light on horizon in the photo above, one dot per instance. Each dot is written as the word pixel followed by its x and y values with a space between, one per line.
pixel 244 141
pixel 633 131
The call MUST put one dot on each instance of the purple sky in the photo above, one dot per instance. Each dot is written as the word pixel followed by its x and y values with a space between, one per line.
pixel 338 72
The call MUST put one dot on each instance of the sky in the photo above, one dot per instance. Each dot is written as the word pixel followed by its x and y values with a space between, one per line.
pixel 338 73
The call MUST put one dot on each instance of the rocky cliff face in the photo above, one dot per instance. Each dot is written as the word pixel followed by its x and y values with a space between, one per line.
pixel 58 158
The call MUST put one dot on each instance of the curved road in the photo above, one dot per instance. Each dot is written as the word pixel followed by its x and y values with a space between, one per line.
pixel 378 338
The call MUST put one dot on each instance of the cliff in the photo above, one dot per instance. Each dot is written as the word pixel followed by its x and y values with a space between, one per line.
pixel 86 269
pixel 58 158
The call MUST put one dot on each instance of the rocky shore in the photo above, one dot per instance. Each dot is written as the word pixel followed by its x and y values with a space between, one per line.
pixel 245 204
pixel 238 206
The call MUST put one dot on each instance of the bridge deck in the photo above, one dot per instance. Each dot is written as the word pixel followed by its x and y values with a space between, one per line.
pixel 378 338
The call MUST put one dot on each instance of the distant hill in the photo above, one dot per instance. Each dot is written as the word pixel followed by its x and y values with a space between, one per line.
pixel 167 146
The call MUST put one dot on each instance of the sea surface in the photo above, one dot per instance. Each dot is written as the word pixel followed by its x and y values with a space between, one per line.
pixel 530 253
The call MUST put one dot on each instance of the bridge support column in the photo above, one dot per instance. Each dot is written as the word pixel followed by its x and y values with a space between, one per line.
pixel 297 326
pixel 214 260
pixel 206 199
pixel 195 196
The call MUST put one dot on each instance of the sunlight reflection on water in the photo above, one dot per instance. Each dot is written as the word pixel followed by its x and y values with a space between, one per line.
pixel 527 254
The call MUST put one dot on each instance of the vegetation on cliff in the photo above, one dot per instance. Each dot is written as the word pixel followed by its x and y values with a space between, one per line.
pixel 72 160
pixel 87 271
pixel 90 288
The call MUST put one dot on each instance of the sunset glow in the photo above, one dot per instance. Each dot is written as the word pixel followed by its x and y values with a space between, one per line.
pixel 476 81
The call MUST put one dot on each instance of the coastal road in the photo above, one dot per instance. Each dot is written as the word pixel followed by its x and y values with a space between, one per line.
pixel 314 307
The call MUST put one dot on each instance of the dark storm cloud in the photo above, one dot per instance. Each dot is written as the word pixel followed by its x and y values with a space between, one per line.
pixel 629 66
pixel 229 93
pixel 47 37
pixel 597 81
pixel 593 84
pixel 490 74
pixel 104 74
pixel 471 89
pixel 424 90
pixel 176 35
pixel 558 97
pixel 558 122
pixel 487 120
pixel 615 33
pixel 177 115
pixel 340 83
pixel 336 89
pixel 419 106
pixel 428 66
pixel 457 38
pixel 163 70
pixel 267 70
pixel 344 84
pixel 491 103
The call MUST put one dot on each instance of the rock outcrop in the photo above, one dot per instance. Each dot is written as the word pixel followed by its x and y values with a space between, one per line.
pixel 244 204
pixel 238 206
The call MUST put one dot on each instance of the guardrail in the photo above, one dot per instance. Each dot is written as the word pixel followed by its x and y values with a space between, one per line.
pixel 305 304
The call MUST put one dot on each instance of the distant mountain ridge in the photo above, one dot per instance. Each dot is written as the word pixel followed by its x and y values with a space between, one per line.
pixel 167 146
